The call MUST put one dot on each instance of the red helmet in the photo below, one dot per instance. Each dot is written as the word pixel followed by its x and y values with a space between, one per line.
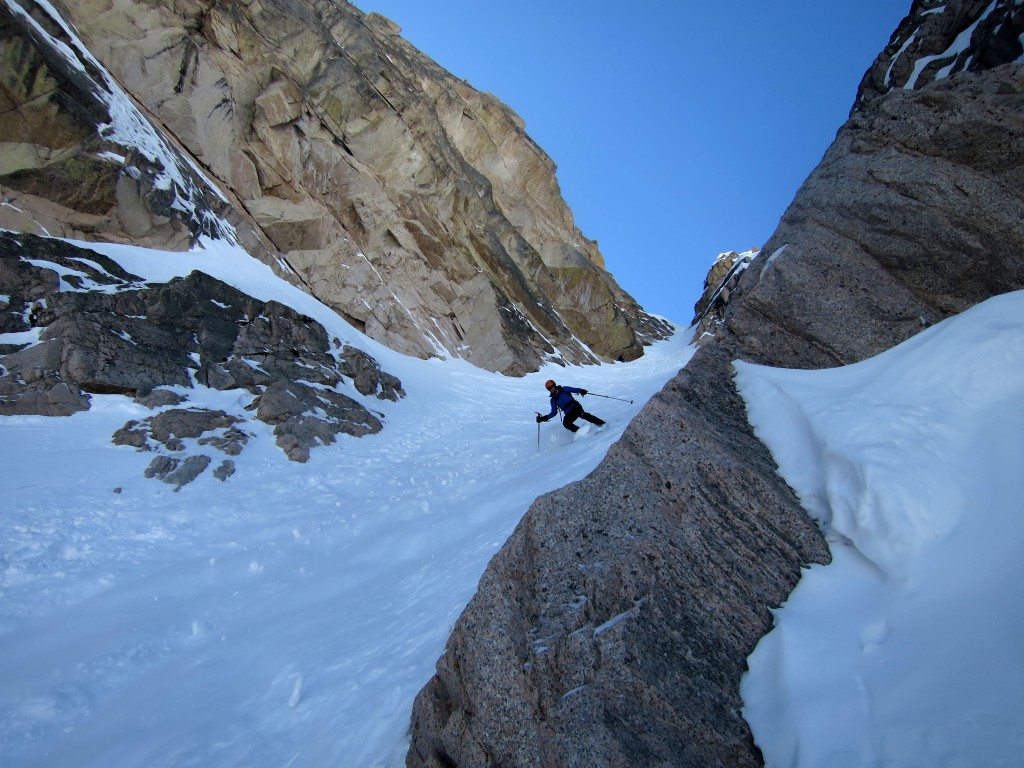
pixel 549 384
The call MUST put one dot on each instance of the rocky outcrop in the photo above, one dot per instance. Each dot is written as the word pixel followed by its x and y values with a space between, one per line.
pixel 721 281
pixel 612 628
pixel 77 158
pixel 76 324
pixel 168 430
pixel 940 39
pixel 913 215
pixel 415 206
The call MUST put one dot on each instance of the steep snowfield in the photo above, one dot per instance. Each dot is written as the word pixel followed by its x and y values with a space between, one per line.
pixel 907 650
pixel 287 616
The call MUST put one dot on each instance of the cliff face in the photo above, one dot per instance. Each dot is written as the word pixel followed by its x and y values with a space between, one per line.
pixel 612 629
pixel 415 206
pixel 320 141
pixel 914 212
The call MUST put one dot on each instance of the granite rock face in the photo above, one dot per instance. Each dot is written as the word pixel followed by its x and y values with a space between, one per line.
pixel 721 281
pixel 77 159
pixel 612 628
pixel 415 206
pixel 939 39
pixel 914 214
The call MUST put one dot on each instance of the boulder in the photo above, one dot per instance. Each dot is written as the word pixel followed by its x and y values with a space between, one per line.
pixel 305 417
pixel 177 472
pixel 167 431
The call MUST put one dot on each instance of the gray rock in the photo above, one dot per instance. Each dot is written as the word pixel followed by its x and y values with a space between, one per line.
pixel 225 470
pixel 135 434
pixel 168 430
pixel 721 281
pixel 305 417
pixel 188 423
pixel 926 45
pixel 30 384
pixel 177 472
pixel 231 442
pixel 30 380
pixel 159 398
pixel 913 215
pixel 161 466
pixel 367 376
pixel 134 339
pixel 26 285
pixel 58 400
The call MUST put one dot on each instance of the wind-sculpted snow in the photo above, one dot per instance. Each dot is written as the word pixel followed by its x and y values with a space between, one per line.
pixel 905 650
pixel 287 615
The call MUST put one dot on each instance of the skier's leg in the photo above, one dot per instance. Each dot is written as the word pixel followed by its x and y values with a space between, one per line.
pixel 570 417
pixel 592 418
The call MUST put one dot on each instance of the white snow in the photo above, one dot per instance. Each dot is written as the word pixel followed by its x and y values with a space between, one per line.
pixel 770 261
pixel 287 616
pixel 896 57
pixel 908 650
pixel 21 337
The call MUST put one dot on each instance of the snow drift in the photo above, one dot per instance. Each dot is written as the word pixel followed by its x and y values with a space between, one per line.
pixel 906 649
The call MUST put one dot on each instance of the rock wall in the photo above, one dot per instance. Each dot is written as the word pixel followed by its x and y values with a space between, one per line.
pixel 415 206
pixel 913 215
pixel 76 160
pixel 612 628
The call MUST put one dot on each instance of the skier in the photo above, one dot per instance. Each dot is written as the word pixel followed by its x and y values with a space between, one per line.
pixel 562 400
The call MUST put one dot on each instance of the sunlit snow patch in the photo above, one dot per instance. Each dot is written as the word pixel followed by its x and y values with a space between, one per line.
pixel 906 650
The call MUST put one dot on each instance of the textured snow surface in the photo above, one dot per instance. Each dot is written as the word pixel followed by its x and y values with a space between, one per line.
pixel 287 616
pixel 907 650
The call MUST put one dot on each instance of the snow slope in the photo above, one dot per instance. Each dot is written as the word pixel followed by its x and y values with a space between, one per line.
pixel 908 650
pixel 288 616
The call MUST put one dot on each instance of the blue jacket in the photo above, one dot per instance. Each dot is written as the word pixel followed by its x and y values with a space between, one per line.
pixel 562 400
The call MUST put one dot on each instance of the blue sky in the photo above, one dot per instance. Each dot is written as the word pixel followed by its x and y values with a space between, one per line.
pixel 680 129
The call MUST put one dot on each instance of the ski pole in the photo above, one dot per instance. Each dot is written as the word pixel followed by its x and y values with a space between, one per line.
pixel 610 397
pixel 538 434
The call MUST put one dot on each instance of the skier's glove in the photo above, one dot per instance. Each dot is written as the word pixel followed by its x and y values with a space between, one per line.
pixel 541 418
pixel 583 391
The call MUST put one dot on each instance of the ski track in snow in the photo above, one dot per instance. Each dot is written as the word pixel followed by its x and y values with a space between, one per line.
pixel 288 616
